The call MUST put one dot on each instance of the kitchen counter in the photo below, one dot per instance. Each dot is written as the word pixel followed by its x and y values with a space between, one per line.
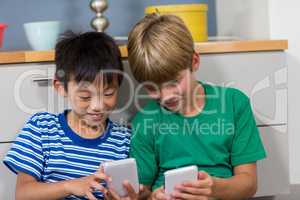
pixel 202 48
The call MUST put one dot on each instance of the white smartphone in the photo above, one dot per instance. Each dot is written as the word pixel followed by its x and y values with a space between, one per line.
pixel 120 171
pixel 177 176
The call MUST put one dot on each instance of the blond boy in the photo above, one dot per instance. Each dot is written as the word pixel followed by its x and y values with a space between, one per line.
pixel 181 126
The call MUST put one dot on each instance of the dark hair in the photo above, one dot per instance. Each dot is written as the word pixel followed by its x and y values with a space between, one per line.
pixel 83 56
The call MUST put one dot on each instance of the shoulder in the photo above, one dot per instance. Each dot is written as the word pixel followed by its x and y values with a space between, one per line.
pixel 229 93
pixel 235 100
pixel 42 123
pixel 42 117
pixel 238 99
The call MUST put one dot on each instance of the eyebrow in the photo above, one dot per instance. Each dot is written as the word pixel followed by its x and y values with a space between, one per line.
pixel 106 87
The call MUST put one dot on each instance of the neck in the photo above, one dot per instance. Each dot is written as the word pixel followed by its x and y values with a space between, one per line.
pixel 195 100
pixel 81 128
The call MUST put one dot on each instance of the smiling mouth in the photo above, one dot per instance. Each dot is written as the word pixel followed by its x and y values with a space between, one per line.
pixel 171 103
pixel 96 116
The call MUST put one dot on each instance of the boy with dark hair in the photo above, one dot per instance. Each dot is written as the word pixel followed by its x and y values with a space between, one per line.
pixel 57 156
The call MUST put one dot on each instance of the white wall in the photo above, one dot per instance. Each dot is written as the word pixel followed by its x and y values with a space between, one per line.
pixel 246 19
pixel 284 23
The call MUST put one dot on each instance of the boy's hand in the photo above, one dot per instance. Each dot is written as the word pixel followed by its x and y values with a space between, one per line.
pixel 132 195
pixel 200 189
pixel 159 194
pixel 87 185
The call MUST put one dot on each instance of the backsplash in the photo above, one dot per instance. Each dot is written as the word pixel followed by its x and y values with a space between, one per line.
pixel 76 15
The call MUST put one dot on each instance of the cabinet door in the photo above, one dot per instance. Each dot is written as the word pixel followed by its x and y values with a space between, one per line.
pixel 273 172
pixel 7 178
pixel 23 93
pixel 261 75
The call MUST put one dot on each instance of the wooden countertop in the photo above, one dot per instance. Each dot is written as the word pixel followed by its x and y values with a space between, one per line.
pixel 202 48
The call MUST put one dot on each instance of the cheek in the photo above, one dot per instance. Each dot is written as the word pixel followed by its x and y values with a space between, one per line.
pixel 111 102
pixel 77 103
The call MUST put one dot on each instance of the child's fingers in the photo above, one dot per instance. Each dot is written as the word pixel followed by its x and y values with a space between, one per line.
pixel 107 195
pixel 101 165
pixel 142 188
pixel 198 184
pixel 195 191
pixel 90 196
pixel 101 169
pixel 97 186
pixel 130 190
pixel 203 175
pixel 101 176
pixel 159 194
pixel 114 194
pixel 179 195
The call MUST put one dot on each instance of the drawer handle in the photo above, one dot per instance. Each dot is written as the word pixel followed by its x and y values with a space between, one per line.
pixel 42 79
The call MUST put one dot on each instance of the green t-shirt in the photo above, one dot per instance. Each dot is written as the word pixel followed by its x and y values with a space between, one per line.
pixel 221 136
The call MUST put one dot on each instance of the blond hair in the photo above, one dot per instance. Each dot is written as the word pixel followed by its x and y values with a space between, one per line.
pixel 159 47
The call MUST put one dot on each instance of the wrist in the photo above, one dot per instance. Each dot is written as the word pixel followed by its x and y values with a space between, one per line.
pixel 66 187
pixel 215 186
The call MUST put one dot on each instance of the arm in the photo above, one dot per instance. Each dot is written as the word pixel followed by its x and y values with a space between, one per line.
pixel 242 185
pixel 28 188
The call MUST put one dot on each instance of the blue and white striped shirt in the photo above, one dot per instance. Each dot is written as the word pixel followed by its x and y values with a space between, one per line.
pixel 48 149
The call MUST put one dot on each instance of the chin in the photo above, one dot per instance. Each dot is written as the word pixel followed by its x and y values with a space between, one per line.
pixel 93 123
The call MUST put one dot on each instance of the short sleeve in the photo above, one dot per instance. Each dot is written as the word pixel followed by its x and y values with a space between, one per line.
pixel 142 149
pixel 247 146
pixel 26 153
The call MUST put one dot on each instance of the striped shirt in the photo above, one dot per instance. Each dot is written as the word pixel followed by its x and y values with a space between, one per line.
pixel 47 149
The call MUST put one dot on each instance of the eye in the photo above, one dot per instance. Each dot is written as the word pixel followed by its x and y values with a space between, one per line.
pixel 85 98
pixel 151 88
pixel 176 81
pixel 109 93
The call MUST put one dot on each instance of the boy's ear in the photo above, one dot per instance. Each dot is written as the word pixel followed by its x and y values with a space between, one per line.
pixel 195 62
pixel 59 87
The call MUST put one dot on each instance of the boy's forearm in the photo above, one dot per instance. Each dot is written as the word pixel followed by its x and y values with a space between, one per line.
pixel 42 191
pixel 240 186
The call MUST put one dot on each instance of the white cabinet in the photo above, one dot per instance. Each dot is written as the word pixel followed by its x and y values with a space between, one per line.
pixel 7 178
pixel 21 95
pixel 263 77
pixel 273 172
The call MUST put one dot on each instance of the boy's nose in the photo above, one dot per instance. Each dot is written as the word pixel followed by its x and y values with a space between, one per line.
pixel 166 93
pixel 97 104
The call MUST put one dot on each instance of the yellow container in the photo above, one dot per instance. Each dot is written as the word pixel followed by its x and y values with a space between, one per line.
pixel 193 15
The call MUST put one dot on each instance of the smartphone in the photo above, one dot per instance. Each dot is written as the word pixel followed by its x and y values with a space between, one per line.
pixel 178 176
pixel 120 171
